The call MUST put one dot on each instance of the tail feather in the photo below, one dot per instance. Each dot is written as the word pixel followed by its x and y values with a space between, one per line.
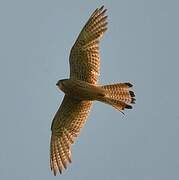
pixel 119 95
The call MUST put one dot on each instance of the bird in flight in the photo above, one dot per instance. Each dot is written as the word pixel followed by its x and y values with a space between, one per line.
pixel 81 89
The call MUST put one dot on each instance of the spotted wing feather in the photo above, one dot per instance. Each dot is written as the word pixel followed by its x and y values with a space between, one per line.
pixel 66 126
pixel 84 56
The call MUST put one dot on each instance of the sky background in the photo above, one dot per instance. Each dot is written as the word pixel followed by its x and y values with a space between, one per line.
pixel 141 46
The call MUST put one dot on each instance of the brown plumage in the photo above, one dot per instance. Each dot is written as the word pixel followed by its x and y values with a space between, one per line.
pixel 81 89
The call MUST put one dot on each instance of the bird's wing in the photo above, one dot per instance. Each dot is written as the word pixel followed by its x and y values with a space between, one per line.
pixel 84 55
pixel 66 125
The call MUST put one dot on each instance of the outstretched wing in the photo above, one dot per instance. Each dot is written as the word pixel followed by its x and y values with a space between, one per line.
pixel 84 56
pixel 66 125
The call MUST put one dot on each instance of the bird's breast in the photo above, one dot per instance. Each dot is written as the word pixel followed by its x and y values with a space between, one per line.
pixel 82 90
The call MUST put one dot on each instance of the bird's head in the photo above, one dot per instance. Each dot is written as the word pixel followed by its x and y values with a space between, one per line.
pixel 61 84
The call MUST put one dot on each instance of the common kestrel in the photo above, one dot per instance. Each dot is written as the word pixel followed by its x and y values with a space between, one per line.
pixel 81 89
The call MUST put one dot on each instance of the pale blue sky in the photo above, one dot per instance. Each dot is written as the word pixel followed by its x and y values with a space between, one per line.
pixel 140 46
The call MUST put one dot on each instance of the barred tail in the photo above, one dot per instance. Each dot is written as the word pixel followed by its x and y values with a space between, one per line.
pixel 119 95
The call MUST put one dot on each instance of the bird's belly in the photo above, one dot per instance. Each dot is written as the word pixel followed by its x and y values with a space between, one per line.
pixel 83 90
